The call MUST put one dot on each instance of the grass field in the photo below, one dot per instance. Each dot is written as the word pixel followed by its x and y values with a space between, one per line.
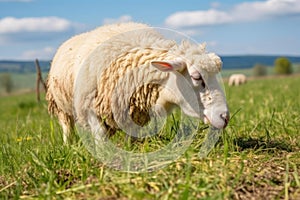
pixel 257 157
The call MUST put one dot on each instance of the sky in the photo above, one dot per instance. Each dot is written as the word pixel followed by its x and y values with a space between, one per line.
pixel 31 29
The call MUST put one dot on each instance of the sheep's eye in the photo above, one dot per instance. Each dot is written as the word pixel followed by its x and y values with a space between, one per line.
pixel 198 77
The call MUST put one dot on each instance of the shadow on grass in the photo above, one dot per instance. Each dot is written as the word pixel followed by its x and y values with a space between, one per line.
pixel 260 143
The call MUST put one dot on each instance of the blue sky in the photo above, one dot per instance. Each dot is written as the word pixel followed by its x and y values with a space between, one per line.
pixel 32 29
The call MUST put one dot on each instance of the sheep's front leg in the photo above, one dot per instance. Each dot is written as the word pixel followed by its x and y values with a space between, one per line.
pixel 98 129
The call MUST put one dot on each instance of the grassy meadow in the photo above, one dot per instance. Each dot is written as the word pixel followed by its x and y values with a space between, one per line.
pixel 257 157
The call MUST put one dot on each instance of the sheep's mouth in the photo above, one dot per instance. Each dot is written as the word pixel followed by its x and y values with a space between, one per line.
pixel 207 121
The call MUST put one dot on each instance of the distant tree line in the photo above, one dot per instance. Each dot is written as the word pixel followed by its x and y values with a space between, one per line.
pixel 22 66
pixel 247 62
pixel 6 82
pixel 260 70
pixel 282 66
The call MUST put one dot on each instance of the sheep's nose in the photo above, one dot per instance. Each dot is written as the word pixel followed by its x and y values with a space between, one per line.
pixel 225 116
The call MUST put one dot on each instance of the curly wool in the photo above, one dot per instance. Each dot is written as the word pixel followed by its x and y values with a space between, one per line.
pixel 68 60
pixel 129 75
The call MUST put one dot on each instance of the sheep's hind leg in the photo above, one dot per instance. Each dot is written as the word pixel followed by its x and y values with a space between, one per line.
pixel 67 123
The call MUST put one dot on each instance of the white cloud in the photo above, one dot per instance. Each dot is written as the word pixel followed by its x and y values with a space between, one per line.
pixel 196 18
pixel 42 54
pixel 124 18
pixel 248 11
pixel 43 24
pixel 251 11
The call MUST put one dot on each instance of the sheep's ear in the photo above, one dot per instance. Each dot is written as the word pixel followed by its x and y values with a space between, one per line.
pixel 167 66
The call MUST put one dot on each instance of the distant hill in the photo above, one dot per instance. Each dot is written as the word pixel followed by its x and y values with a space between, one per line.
pixel 22 66
pixel 246 62
pixel 229 62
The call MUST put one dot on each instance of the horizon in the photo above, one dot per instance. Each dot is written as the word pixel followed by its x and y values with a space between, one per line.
pixel 237 62
pixel 233 55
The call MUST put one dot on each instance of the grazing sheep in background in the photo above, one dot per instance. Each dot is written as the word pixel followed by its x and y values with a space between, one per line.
pixel 102 78
pixel 237 79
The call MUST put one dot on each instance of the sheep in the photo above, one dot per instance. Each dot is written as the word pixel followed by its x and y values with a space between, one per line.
pixel 119 73
pixel 237 79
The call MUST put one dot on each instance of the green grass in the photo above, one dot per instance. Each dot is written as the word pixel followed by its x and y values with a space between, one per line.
pixel 258 155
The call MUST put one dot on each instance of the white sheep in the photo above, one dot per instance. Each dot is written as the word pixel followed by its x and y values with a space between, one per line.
pixel 237 79
pixel 102 78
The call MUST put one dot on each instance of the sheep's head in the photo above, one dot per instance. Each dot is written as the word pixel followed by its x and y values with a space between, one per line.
pixel 197 77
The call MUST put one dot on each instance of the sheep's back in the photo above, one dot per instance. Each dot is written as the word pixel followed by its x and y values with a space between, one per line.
pixel 70 57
